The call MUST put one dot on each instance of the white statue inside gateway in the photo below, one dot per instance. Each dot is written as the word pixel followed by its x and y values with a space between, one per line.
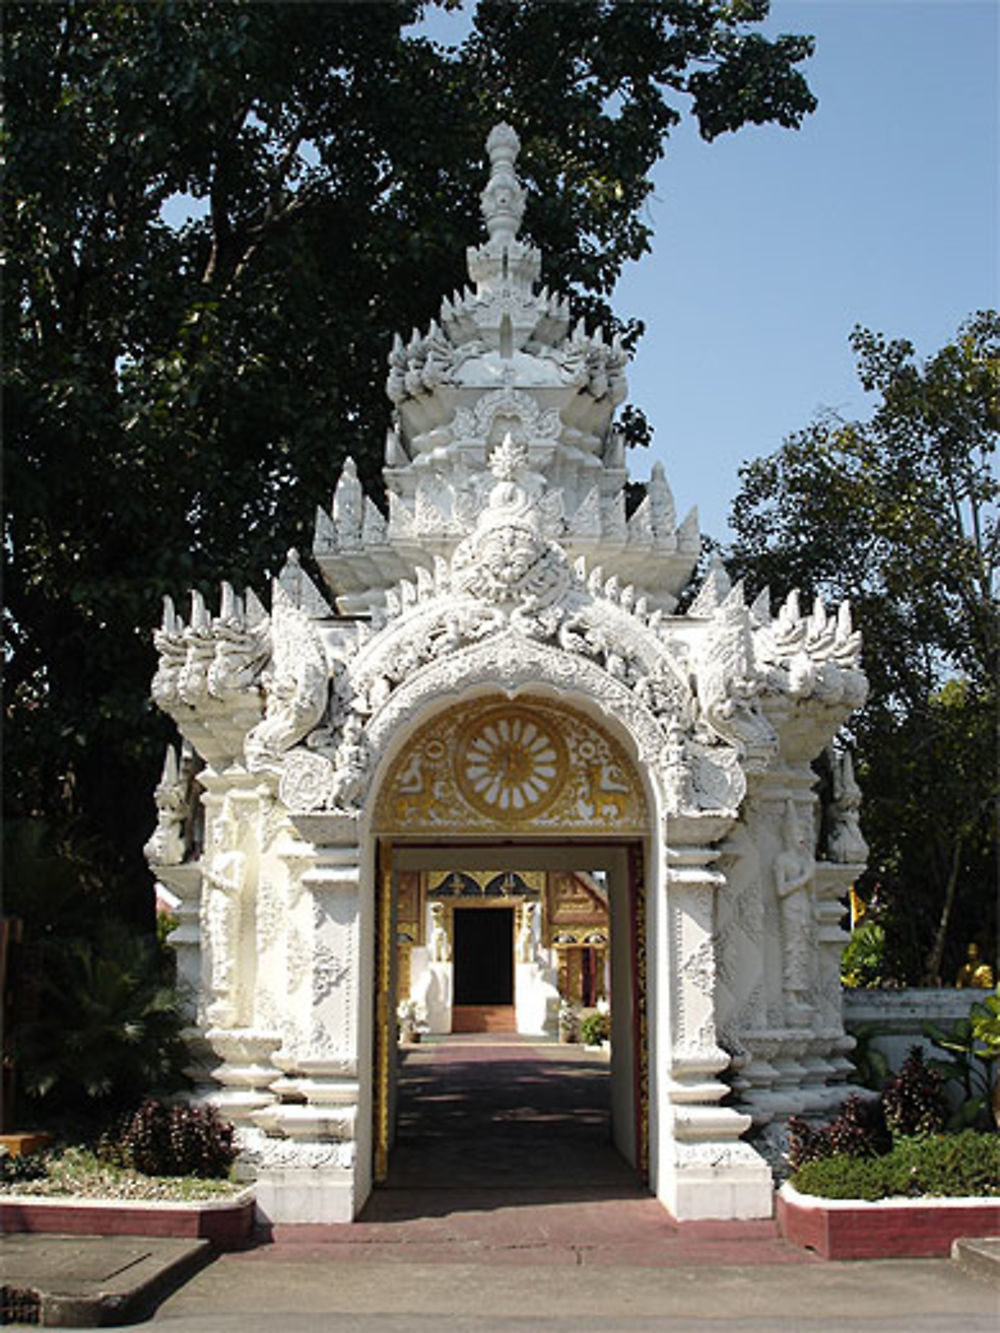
pixel 490 737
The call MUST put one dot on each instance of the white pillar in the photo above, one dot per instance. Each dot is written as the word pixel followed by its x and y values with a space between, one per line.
pixel 704 1170
pixel 309 1164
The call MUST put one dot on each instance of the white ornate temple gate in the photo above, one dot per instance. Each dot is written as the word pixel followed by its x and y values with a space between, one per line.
pixel 498 663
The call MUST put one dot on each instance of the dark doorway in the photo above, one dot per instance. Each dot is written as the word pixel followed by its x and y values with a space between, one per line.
pixel 484 955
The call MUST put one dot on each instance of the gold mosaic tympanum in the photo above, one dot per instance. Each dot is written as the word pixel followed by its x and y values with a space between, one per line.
pixel 526 765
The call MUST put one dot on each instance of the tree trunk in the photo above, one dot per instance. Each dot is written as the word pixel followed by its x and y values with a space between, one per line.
pixel 932 967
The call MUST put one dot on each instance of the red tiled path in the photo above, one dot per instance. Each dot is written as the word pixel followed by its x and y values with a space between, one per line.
pixel 503 1154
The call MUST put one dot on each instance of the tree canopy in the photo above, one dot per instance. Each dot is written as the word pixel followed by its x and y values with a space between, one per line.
pixel 180 396
pixel 901 514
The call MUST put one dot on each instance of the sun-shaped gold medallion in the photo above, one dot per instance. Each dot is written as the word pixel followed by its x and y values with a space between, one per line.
pixel 510 763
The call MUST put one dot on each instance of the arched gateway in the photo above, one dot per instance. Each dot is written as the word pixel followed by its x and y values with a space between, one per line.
pixel 514 782
pixel 499 683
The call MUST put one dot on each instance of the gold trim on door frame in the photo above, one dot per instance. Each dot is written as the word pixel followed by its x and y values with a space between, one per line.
pixel 383 986
pixel 640 1037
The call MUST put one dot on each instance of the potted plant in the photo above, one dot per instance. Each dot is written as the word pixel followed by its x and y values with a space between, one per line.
pixel 595 1029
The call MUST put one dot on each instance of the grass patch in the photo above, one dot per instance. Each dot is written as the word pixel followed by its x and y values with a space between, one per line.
pixel 960 1166
pixel 78 1171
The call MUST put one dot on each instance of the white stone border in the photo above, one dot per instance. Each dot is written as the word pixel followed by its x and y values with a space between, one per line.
pixel 88 1201
pixel 813 1201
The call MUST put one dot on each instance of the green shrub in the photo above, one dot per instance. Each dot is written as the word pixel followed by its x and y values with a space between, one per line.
pixel 984 1017
pixel 863 958
pixel 162 1140
pixel 842 1177
pixel 107 1031
pixel 972 1048
pixel 959 1165
pixel 860 1129
pixel 871 1068
pixel 594 1029
pixel 166 924
pixel 77 1170
pixel 912 1102
pixel 806 1143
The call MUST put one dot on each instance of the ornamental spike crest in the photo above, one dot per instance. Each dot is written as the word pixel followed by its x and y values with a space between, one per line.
pixel 508 458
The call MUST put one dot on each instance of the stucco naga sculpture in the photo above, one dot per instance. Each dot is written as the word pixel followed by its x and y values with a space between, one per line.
pixel 846 844
pixel 166 845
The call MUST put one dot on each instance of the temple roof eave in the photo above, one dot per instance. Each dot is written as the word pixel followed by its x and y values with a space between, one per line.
pixel 358 579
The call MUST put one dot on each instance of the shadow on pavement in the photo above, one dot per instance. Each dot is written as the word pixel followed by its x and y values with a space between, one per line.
pixel 490 1125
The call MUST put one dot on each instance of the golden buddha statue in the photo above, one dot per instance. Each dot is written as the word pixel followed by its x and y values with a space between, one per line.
pixel 858 907
pixel 974 973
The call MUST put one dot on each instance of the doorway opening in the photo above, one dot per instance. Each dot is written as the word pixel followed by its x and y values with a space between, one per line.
pixel 484 957
pixel 483 970
pixel 491 958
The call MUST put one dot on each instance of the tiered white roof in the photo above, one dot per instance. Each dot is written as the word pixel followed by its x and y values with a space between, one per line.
pixel 503 359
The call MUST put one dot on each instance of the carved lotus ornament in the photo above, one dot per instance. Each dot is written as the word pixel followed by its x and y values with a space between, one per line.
pixel 510 763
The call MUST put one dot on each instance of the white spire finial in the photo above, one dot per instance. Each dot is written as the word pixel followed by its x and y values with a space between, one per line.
pixel 508 458
pixel 503 199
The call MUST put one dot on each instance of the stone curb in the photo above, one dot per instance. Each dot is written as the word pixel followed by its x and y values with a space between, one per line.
pixel 979 1257
pixel 64 1299
pixel 225 1220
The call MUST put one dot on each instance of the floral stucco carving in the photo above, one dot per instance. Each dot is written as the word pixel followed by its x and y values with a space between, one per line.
pixel 698 966
pixel 228 886
pixel 519 412
pixel 721 1155
pixel 306 781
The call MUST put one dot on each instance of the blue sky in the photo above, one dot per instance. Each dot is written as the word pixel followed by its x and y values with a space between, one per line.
pixel 770 244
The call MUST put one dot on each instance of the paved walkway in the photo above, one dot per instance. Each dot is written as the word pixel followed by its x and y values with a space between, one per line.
pixel 504 1152
pixel 507 1209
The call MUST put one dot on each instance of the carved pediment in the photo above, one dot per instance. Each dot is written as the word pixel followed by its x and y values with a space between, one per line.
pixel 526 764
